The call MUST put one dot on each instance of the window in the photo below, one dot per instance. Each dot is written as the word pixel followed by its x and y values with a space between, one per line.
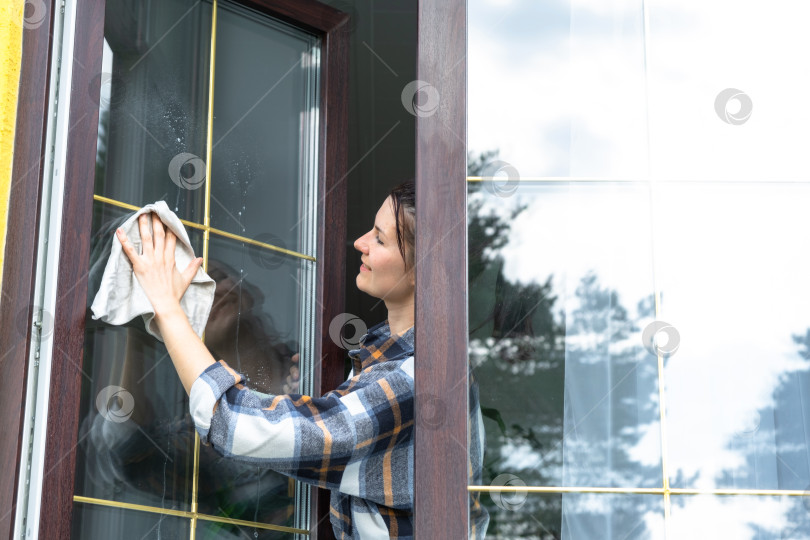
pixel 176 100
pixel 253 220
pixel 440 487
pixel 637 293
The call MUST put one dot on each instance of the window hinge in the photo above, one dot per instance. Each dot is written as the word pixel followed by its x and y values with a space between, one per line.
pixel 37 338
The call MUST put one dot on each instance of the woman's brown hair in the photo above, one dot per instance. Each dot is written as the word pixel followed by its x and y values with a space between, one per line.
pixel 403 198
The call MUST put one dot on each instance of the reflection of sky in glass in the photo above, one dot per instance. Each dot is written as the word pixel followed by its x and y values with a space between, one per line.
pixel 563 88
pixel 733 269
pixel 571 228
pixel 558 89
pixel 581 89
pixel 608 435
pixel 758 517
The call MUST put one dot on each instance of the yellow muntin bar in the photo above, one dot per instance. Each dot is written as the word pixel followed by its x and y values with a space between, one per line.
pixel 561 179
pixel 261 244
pixel 215 231
pixel 251 524
pixel 554 489
pixel 131 506
pixel 210 136
pixel 185 514
pixel 206 236
pixel 643 491
pixel 128 206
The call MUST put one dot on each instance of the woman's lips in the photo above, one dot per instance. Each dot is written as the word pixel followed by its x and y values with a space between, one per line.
pixel 364 268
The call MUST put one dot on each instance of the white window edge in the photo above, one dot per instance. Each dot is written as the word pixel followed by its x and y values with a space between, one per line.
pixel 35 423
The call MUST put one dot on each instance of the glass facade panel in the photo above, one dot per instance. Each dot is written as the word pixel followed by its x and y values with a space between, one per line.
pixel 740 517
pixel 734 274
pixel 636 237
pixel 560 285
pixel 574 516
pixel 723 106
pixel 550 83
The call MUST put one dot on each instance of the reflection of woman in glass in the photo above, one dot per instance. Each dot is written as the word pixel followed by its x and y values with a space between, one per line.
pixel 238 333
pixel 142 460
pixel 356 440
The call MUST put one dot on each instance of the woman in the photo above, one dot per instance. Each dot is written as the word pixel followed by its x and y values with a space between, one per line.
pixel 356 440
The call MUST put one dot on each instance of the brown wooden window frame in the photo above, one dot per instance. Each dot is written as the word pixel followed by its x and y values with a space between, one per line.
pixel 440 485
pixel 441 503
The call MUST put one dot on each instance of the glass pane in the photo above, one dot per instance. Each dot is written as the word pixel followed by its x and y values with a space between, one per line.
pixel 91 521
pixel 255 323
pixel 136 440
pixel 154 104
pixel 723 106
pixel 211 530
pixel 558 87
pixel 265 110
pixel 739 517
pixel 735 287
pixel 256 327
pixel 559 289
pixel 575 516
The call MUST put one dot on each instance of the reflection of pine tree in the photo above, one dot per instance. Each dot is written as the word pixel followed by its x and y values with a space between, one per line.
pixel 804 342
pixel 518 350
pixel 101 149
pixel 780 444
pixel 611 405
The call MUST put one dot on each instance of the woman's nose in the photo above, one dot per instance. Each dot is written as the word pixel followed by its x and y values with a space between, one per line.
pixel 360 244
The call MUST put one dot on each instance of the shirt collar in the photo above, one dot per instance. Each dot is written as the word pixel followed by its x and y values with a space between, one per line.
pixel 378 345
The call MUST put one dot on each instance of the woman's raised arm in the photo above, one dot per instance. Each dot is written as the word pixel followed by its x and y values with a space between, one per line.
pixel 356 439
pixel 164 285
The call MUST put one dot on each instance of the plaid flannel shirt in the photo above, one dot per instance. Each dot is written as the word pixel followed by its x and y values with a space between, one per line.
pixel 356 440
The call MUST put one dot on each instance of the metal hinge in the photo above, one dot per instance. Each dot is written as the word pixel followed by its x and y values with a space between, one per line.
pixel 38 338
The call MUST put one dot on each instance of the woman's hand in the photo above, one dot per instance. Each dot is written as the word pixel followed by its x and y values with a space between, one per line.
pixel 155 268
pixel 292 381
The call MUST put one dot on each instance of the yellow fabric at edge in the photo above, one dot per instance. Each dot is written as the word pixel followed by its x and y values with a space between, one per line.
pixel 11 30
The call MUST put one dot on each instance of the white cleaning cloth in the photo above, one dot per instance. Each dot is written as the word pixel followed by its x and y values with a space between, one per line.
pixel 120 298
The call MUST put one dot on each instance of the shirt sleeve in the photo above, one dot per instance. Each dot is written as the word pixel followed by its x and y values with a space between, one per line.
pixel 479 517
pixel 312 439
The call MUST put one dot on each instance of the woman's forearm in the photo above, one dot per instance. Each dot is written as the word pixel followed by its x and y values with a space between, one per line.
pixel 189 354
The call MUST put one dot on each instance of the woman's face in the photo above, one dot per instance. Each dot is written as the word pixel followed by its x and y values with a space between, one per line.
pixel 225 309
pixel 382 273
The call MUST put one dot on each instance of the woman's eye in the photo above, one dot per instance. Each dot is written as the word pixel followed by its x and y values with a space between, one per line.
pixel 379 242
